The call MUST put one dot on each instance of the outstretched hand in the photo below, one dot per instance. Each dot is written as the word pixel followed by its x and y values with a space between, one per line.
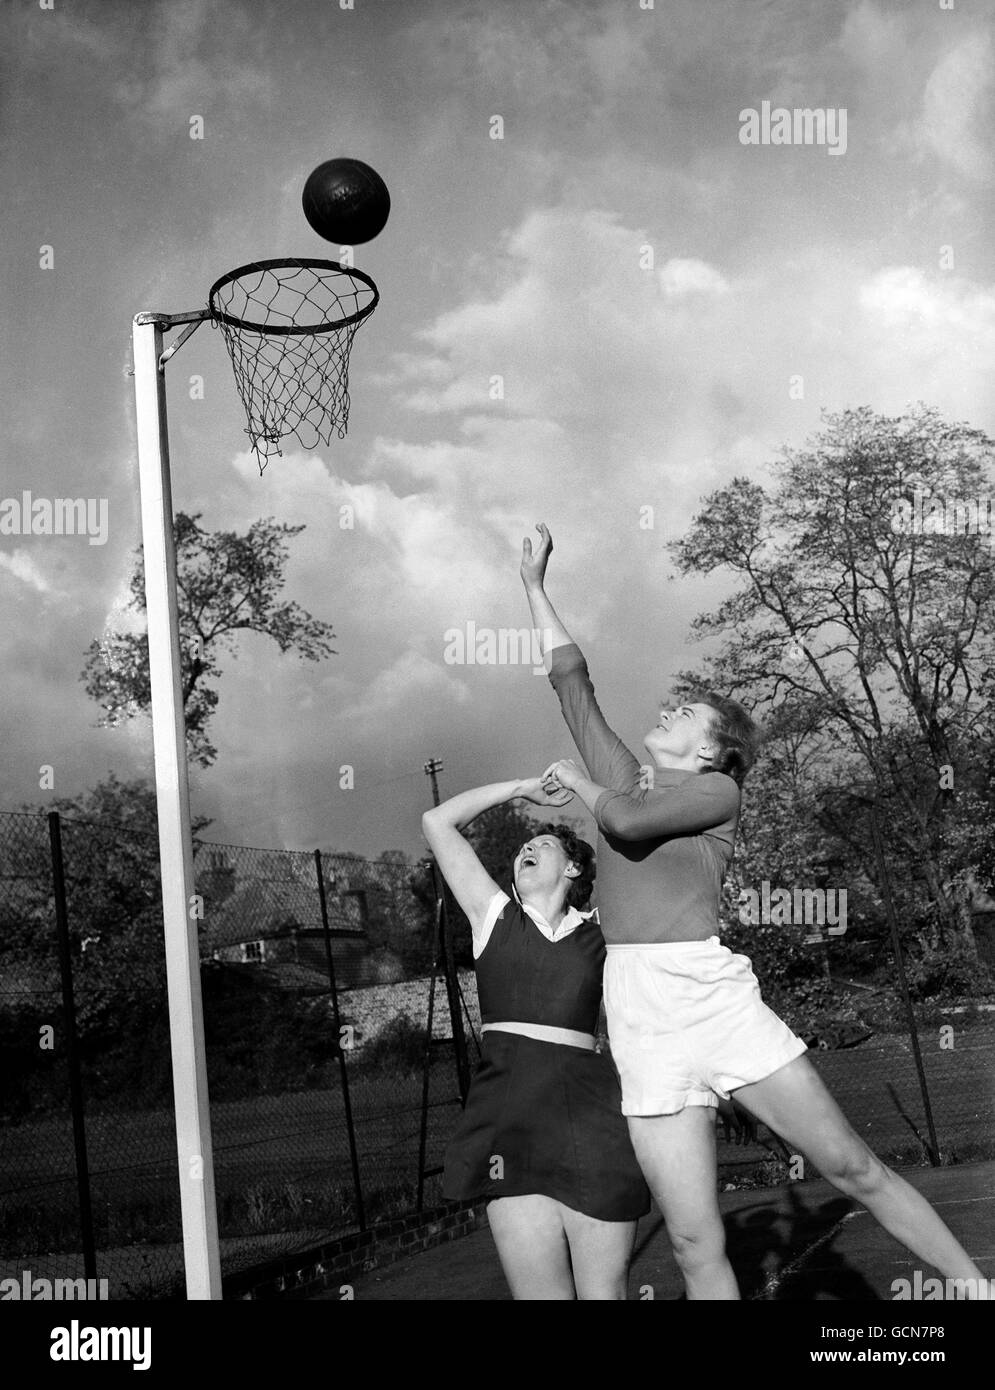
pixel 533 567
pixel 543 791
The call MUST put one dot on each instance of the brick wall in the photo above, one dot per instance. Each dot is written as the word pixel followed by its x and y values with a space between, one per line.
pixel 370 1010
pixel 336 1264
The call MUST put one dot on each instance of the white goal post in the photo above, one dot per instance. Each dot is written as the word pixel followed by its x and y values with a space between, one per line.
pixel 198 1208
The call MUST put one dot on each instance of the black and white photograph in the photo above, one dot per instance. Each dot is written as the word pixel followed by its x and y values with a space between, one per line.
pixel 497 561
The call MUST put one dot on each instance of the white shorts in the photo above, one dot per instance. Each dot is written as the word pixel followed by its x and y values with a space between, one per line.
pixel 687 1025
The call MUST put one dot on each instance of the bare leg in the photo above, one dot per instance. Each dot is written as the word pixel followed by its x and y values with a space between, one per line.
pixel 677 1156
pixel 532 1247
pixel 600 1252
pixel 795 1103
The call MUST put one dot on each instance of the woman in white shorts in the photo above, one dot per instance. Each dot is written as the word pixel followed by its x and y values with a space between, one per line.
pixel 685 1018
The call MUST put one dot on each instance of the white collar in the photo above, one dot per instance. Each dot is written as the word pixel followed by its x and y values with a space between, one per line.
pixel 571 918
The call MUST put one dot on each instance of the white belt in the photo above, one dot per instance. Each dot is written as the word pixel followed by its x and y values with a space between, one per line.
pixel 541 1033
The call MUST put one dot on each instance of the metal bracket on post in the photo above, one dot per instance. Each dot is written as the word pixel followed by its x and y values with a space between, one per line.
pixel 193 318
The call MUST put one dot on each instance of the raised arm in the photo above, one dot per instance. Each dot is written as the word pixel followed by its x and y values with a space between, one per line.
pixel 695 806
pixel 608 760
pixel 545 618
pixel 472 886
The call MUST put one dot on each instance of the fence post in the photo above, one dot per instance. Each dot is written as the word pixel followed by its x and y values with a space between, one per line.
pixel 451 976
pixel 934 1148
pixel 346 1103
pixel 427 1060
pixel 72 1049
pixel 432 768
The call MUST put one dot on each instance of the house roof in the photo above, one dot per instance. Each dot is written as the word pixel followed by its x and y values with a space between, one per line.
pixel 261 908
pixel 289 975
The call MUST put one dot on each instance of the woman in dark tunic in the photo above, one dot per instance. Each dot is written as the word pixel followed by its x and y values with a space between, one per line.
pixel 542 1136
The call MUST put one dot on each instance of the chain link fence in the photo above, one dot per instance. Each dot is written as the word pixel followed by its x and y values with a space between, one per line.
pixel 317 1131
pixel 330 1107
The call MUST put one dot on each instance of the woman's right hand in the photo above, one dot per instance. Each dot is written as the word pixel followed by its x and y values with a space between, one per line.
pixel 533 566
pixel 532 789
pixel 563 773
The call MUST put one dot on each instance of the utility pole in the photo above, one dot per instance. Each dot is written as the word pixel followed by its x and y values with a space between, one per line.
pixel 432 768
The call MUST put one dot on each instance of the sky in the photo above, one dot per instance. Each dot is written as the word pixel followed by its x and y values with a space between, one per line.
pixel 649 289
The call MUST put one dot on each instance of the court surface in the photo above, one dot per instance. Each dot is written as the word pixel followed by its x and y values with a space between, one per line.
pixel 803 1242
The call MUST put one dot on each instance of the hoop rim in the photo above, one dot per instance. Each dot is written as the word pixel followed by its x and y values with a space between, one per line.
pixel 291 330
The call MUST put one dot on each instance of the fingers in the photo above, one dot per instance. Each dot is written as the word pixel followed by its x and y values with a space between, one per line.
pixel 526 549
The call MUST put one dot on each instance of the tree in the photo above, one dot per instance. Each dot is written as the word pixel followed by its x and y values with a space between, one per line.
pixel 226 583
pixel 394 919
pixel 871 648
pixel 111 860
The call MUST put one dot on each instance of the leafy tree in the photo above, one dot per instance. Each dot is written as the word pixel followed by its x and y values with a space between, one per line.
pixel 395 919
pixel 111 862
pixel 128 805
pixel 871 649
pixel 226 584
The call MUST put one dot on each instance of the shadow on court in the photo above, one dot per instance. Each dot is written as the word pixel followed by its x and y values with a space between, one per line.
pixel 802 1243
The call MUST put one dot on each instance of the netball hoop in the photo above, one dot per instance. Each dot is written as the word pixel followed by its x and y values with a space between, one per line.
pixel 289 327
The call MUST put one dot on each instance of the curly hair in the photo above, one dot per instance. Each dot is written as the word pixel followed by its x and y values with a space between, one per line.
pixel 737 736
pixel 578 852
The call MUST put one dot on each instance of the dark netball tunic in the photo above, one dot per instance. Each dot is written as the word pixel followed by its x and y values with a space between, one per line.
pixel 523 977
pixel 544 1117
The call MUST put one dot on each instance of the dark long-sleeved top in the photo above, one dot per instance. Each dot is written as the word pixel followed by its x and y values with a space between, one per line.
pixel 663 849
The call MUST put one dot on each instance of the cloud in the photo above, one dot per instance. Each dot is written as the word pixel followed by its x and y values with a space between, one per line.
pixel 913 102
pixel 561 381
pixel 879 43
pixel 928 337
pixel 933 316
pixel 565 51
pixel 189 57
pixel 20 564
pixel 679 278
pixel 569 304
pixel 409 680
pixel 957 110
